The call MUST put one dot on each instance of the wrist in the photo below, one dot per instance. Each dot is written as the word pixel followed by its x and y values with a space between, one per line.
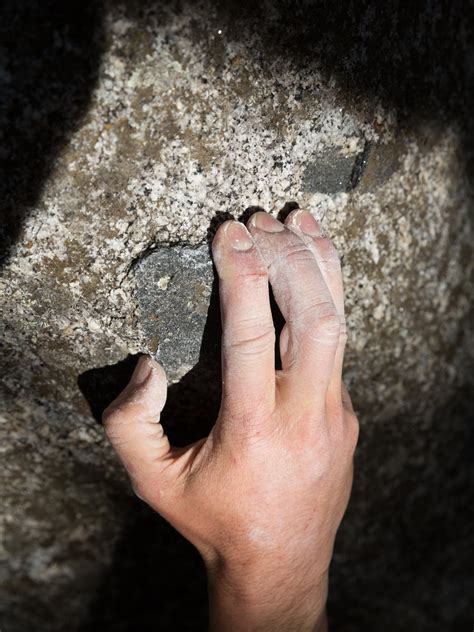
pixel 261 597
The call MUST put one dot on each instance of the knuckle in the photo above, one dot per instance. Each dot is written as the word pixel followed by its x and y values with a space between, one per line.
pixel 327 321
pixel 297 252
pixel 251 418
pixel 253 279
pixel 257 277
pixel 250 339
pixel 321 321
pixel 289 254
pixel 114 418
pixel 316 310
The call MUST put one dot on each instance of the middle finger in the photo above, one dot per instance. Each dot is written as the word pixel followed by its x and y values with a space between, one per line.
pixel 312 322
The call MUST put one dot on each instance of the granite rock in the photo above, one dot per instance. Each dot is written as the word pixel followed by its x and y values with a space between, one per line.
pixel 174 286
pixel 127 129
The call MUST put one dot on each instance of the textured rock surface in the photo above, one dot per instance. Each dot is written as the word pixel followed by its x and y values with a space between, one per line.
pixel 127 129
pixel 174 287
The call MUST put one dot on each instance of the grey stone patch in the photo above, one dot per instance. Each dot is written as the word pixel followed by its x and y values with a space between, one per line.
pixel 173 291
pixel 329 172
pixel 379 163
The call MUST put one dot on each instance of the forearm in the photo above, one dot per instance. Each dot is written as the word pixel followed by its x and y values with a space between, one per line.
pixel 264 603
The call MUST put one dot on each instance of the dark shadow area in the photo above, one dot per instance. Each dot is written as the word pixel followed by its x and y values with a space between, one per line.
pixel 412 56
pixel 405 551
pixel 286 210
pixel 50 54
pixel 156 581
pixel 101 386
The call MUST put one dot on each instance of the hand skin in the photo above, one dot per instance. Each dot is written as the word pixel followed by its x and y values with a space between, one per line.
pixel 263 495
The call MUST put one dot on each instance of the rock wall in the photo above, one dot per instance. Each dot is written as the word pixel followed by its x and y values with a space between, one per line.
pixel 129 130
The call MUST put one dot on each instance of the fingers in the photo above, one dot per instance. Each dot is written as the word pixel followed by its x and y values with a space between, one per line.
pixel 132 425
pixel 305 274
pixel 325 253
pixel 248 335
pixel 311 334
pixel 326 256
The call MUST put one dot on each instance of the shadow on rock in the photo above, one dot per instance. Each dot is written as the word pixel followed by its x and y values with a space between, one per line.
pixel 156 581
pixel 50 56
pixel 404 552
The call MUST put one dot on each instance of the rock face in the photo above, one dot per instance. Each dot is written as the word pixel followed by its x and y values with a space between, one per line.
pixel 128 130
pixel 174 286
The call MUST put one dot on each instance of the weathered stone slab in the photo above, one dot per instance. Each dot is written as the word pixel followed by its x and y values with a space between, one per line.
pixel 174 290
pixel 330 172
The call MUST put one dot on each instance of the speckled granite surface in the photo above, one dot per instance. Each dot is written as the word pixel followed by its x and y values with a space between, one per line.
pixel 128 130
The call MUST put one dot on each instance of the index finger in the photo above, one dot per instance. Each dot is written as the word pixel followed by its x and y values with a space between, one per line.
pixel 248 334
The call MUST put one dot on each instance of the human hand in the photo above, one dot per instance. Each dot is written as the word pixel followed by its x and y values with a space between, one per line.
pixel 263 495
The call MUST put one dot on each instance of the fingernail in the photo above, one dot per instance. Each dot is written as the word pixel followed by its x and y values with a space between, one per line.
pixel 306 223
pixel 238 236
pixel 142 371
pixel 264 221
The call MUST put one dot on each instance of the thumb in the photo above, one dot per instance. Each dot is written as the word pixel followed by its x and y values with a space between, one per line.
pixel 132 424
